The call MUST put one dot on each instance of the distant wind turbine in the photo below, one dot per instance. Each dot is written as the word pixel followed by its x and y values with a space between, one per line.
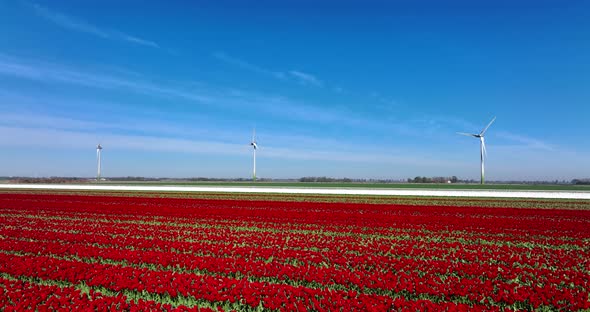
pixel 482 146
pixel 98 152
pixel 255 147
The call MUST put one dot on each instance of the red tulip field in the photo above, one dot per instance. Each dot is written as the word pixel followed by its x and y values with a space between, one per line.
pixel 96 253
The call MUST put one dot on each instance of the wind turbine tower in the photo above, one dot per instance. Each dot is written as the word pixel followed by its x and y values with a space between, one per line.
pixel 98 152
pixel 482 146
pixel 255 147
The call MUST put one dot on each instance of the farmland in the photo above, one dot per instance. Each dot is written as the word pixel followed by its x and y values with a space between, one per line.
pixel 354 185
pixel 291 253
pixel 372 185
pixel 333 191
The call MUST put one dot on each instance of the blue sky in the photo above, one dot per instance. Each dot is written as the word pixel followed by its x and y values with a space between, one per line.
pixel 362 89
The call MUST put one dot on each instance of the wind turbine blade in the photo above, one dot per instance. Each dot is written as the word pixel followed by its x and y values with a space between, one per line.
pixel 254 135
pixel 486 128
pixel 485 151
pixel 467 134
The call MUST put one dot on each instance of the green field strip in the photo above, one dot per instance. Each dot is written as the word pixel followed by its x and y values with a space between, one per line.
pixel 444 186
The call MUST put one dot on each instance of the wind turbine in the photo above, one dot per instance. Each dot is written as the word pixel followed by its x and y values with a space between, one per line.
pixel 482 146
pixel 98 152
pixel 255 147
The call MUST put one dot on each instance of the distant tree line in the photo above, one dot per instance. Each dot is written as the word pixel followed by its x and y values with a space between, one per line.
pixel 194 179
pixel 325 179
pixel 347 180
pixel 452 179
pixel 202 179
pixel 50 180
pixel 130 178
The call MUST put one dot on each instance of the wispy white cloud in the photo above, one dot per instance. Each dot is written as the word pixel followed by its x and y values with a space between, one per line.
pixel 19 111
pixel 502 138
pixel 75 24
pixel 41 137
pixel 300 77
pixel 383 102
pixel 72 139
pixel 549 165
pixel 249 66
pixel 525 141
pixel 431 128
pixel 128 135
pixel 48 72
pixel 139 40
pixel 306 79
pixel 338 90
pixel 275 105
pixel 138 123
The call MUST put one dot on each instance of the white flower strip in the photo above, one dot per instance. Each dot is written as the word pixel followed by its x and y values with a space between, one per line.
pixel 308 190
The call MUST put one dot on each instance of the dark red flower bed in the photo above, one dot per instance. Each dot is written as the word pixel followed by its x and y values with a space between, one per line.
pixel 139 253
